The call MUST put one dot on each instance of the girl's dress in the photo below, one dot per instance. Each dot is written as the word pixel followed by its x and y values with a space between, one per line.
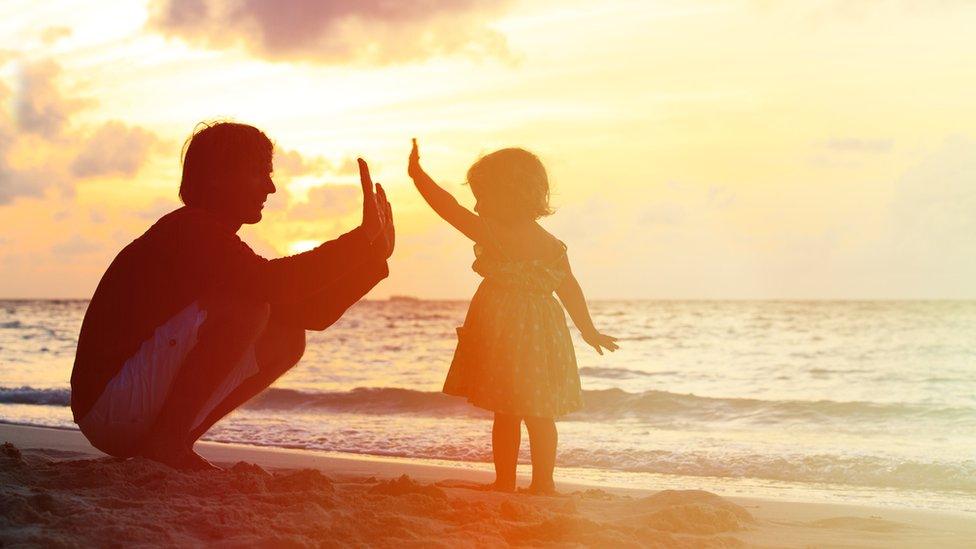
pixel 514 352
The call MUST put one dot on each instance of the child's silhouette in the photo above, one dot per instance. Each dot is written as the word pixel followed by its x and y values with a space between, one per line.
pixel 515 356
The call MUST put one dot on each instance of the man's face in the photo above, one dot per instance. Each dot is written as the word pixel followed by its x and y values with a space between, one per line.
pixel 249 192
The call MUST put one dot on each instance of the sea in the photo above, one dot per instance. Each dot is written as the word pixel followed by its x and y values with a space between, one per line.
pixel 868 402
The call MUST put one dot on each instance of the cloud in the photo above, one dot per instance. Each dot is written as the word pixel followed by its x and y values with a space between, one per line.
pixel 40 148
pixel 39 107
pixel 328 201
pixel 18 182
pixel 289 164
pixel 934 205
pixel 336 31
pixel 855 145
pixel 51 35
pixel 76 245
pixel 113 149
pixel 158 208
pixel 848 152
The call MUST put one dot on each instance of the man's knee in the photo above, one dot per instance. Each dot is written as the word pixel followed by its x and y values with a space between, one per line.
pixel 280 347
pixel 293 346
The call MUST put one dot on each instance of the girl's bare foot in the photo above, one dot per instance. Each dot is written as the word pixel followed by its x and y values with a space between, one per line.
pixel 541 489
pixel 497 486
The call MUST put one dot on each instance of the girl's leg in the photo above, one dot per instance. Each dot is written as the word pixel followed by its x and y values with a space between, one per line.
pixel 506 435
pixel 542 442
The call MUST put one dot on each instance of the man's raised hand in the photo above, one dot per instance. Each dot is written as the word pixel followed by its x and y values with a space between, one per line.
pixel 372 214
pixel 389 234
pixel 377 213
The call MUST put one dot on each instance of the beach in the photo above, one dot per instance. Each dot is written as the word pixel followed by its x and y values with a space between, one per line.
pixel 867 403
pixel 56 490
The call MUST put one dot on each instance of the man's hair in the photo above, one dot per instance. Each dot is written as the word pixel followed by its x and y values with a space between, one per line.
pixel 217 151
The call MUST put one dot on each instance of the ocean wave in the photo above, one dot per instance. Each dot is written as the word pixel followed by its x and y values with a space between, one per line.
pixel 599 405
pixel 611 404
pixel 30 395
pixel 365 400
pixel 446 442
pixel 620 373
pixel 873 471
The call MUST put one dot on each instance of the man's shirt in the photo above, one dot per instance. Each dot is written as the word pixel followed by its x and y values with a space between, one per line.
pixel 189 254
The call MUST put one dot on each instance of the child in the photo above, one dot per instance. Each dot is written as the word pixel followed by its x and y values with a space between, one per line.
pixel 515 356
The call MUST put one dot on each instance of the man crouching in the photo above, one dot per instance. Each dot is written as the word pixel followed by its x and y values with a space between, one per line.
pixel 188 323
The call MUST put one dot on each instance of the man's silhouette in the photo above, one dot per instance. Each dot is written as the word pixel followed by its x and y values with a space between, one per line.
pixel 188 323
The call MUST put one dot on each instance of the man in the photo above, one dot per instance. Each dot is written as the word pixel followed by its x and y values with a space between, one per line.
pixel 188 323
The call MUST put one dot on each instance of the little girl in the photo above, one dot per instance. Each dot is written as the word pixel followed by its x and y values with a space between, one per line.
pixel 515 356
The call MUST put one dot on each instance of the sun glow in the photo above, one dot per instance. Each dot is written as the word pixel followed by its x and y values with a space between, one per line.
pixel 299 246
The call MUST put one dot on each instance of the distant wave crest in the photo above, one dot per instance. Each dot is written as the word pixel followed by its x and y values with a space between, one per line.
pixel 30 395
pixel 599 405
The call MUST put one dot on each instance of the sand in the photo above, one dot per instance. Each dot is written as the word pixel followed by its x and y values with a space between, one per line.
pixel 57 491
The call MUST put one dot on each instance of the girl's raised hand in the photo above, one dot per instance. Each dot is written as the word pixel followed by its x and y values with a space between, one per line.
pixel 600 341
pixel 413 165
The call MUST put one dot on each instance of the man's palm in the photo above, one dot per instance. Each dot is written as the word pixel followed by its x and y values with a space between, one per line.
pixel 372 216
pixel 377 212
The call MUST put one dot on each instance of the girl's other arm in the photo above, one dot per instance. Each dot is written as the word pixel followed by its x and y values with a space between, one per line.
pixel 571 296
pixel 442 202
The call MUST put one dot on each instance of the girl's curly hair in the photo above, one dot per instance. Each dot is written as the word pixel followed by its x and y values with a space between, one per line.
pixel 511 184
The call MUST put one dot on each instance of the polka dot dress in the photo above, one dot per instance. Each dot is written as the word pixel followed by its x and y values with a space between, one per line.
pixel 514 352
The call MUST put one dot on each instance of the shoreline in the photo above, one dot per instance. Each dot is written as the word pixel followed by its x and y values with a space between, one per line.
pixel 694 516
pixel 567 478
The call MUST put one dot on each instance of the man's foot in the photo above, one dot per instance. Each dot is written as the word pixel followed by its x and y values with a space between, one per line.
pixel 180 458
pixel 196 462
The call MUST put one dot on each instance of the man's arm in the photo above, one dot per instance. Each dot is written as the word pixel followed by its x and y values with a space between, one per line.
pixel 324 308
pixel 236 269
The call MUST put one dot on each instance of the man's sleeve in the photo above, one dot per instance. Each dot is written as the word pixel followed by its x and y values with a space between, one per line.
pixel 325 307
pixel 232 266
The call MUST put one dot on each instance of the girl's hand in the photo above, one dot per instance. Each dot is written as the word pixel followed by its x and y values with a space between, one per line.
pixel 600 341
pixel 413 165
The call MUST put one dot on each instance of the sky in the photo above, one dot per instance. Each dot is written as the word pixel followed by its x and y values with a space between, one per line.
pixel 696 149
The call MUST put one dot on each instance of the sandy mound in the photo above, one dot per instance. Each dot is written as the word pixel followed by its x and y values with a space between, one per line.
pixel 693 512
pixel 48 500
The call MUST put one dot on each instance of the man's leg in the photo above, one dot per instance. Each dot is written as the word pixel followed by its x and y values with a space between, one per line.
pixel 229 331
pixel 278 349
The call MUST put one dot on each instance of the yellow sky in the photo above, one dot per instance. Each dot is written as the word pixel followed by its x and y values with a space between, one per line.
pixel 820 149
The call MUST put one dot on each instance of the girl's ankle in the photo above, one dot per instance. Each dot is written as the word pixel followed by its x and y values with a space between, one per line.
pixel 545 486
pixel 504 484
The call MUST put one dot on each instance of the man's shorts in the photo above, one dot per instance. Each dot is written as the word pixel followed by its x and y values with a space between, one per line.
pixel 130 403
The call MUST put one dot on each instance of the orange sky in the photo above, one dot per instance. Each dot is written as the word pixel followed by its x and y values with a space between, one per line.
pixel 697 149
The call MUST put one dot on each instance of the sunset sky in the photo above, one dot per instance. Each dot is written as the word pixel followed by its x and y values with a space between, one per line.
pixel 697 149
